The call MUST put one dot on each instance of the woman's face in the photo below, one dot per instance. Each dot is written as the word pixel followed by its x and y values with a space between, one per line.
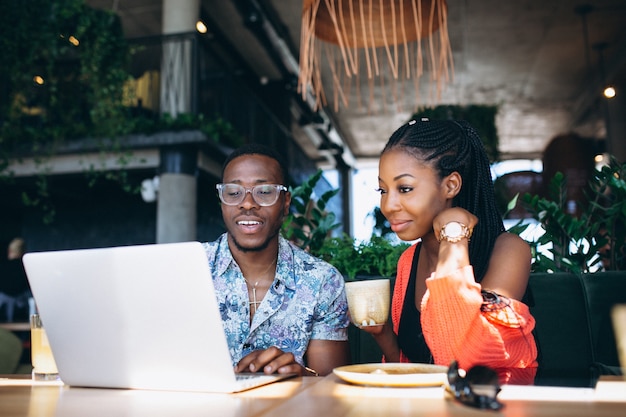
pixel 412 194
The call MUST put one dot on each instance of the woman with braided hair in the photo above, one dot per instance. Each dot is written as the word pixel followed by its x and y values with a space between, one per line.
pixel 458 290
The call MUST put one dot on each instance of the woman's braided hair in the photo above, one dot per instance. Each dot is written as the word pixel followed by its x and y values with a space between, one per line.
pixel 449 146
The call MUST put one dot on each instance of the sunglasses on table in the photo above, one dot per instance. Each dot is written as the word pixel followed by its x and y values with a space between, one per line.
pixel 479 387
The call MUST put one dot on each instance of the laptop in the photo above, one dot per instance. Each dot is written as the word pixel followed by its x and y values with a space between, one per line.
pixel 142 317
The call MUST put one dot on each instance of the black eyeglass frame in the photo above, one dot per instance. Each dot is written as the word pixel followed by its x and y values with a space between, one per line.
pixel 461 386
pixel 251 190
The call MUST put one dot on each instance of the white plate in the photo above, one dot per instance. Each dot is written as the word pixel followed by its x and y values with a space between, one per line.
pixel 394 374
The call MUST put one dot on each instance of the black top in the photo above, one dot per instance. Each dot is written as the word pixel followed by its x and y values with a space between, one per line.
pixel 410 337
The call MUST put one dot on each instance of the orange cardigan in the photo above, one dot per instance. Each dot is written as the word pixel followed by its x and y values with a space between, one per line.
pixel 455 328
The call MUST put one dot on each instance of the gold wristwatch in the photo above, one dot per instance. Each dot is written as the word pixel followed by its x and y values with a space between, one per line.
pixel 454 232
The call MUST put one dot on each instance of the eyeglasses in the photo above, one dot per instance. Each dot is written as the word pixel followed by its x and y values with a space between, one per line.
pixel 263 194
pixel 479 387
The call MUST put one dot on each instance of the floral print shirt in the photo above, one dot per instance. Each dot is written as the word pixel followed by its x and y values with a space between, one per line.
pixel 306 301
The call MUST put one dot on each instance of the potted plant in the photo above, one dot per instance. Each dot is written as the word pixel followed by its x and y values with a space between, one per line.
pixel 310 226
pixel 593 240
pixel 375 258
pixel 578 273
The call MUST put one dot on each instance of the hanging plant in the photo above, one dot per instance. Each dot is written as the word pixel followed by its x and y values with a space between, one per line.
pixel 64 66
pixel 63 74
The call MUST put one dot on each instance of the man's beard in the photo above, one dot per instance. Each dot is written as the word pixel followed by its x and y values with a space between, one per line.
pixel 259 248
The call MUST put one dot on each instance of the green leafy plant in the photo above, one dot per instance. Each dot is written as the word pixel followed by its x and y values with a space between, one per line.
pixel 376 257
pixel 64 68
pixel 609 204
pixel 309 224
pixel 63 74
pixel 310 227
pixel 63 83
pixel 578 243
pixel 216 128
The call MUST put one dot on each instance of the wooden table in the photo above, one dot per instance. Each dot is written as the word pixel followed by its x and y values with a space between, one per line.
pixel 301 397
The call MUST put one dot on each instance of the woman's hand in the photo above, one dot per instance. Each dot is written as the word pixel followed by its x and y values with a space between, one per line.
pixel 269 361
pixel 386 339
pixel 453 214
pixel 373 330
pixel 452 255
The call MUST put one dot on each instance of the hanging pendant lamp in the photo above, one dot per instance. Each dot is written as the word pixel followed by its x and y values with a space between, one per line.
pixel 386 41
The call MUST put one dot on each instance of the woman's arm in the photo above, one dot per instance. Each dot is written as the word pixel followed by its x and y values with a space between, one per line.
pixel 387 341
pixel 509 267
pixel 454 325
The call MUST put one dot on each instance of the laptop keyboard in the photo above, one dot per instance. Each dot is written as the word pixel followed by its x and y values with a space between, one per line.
pixel 252 380
pixel 244 377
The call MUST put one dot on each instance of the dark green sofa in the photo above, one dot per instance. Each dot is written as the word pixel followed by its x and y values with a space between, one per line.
pixel 574 331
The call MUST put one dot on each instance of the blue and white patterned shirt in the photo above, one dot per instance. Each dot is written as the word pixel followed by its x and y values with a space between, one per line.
pixel 306 301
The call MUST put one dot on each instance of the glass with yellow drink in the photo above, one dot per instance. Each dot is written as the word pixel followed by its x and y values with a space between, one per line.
pixel 44 366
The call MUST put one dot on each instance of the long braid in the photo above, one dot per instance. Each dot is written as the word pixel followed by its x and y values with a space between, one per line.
pixel 455 146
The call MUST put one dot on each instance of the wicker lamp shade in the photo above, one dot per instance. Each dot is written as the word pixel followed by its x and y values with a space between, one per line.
pixel 374 37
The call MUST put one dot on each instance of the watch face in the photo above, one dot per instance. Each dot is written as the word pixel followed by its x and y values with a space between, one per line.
pixel 453 229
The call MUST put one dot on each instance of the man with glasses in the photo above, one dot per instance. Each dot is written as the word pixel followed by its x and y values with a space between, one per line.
pixel 283 310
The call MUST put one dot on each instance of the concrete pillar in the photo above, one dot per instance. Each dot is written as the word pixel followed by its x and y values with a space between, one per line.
pixel 179 16
pixel 177 208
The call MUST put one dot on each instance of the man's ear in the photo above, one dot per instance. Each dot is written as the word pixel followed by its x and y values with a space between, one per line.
pixel 287 203
pixel 452 184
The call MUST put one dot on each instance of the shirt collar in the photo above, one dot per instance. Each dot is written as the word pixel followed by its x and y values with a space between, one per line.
pixel 285 271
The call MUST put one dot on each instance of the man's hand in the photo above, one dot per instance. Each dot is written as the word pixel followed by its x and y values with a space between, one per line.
pixel 269 361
